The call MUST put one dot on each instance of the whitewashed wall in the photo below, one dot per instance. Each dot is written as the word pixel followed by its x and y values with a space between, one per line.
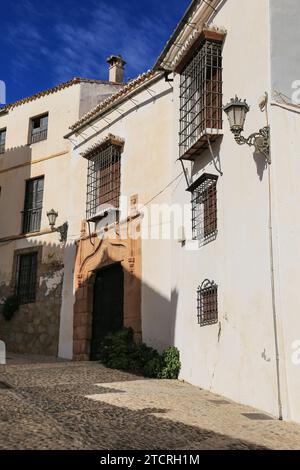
pixel 236 357
pixel 146 126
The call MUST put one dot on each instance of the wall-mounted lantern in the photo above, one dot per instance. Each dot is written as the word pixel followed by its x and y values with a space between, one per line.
pixel 236 112
pixel 62 229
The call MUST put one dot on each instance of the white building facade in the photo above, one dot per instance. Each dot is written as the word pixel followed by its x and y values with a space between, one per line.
pixel 238 336
pixel 213 265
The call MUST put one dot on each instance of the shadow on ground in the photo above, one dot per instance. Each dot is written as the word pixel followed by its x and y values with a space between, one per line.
pixel 48 408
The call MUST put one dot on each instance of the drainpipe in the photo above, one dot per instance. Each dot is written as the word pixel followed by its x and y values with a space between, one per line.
pixel 274 309
pixel 272 267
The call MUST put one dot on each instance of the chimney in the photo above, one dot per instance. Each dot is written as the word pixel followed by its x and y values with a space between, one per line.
pixel 116 68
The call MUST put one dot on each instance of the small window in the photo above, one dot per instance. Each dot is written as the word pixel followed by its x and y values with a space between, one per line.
pixel 33 205
pixel 207 299
pixel 2 140
pixel 38 128
pixel 204 208
pixel 26 278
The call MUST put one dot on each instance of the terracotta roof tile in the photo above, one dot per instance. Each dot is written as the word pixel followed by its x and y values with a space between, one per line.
pixel 52 90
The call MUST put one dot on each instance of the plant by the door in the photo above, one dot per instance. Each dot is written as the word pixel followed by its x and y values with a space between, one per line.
pixel 119 351
pixel 10 307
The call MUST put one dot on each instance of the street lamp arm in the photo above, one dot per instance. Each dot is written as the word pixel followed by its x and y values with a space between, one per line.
pixel 260 140
pixel 63 231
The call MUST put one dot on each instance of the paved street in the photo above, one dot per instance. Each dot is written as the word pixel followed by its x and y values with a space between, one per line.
pixel 65 405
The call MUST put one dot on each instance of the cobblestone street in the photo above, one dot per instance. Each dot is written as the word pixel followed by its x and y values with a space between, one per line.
pixel 65 405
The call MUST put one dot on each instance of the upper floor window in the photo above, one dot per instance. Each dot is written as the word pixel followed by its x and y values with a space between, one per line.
pixel 38 128
pixel 26 281
pixel 201 97
pixel 2 140
pixel 104 174
pixel 33 205
pixel 204 208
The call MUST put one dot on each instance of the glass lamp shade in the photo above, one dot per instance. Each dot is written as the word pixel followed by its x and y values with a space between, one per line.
pixel 236 112
pixel 52 216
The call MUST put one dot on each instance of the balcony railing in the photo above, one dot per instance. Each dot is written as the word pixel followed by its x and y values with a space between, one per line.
pixel 2 148
pixel 31 220
pixel 38 135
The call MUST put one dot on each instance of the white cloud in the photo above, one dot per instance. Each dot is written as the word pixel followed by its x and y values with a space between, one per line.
pixel 80 49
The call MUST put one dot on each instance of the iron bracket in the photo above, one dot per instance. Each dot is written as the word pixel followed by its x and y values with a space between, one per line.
pixel 260 140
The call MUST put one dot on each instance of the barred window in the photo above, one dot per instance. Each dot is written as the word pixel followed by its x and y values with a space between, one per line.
pixel 104 173
pixel 2 140
pixel 26 278
pixel 38 128
pixel 201 98
pixel 207 299
pixel 204 208
pixel 33 205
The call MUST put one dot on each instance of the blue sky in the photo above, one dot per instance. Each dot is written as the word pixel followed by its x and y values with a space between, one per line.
pixel 45 42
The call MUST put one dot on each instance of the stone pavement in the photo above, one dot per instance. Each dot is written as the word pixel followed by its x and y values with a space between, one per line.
pixel 64 405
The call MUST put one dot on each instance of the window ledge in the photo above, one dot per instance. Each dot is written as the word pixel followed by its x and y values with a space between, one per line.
pixel 201 143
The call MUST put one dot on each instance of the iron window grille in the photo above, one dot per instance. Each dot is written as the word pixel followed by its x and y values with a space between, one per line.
pixel 204 208
pixel 39 129
pixel 201 97
pixel 26 278
pixel 2 140
pixel 33 206
pixel 104 175
pixel 207 303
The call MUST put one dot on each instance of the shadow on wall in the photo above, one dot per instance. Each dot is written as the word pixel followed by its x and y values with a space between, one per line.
pixel 34 328
pixel 206 159
pixel 159 318
pixel 15 169
pixel 261 165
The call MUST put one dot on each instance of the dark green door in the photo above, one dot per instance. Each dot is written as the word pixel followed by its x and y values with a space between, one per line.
pixel 108 305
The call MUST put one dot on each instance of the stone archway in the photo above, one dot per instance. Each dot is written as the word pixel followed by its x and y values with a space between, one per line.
pixel 94 254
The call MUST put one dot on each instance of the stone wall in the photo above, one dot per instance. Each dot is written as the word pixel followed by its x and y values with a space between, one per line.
pixel 34 329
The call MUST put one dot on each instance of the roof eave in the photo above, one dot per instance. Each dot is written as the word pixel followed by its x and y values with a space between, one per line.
pixel 188 30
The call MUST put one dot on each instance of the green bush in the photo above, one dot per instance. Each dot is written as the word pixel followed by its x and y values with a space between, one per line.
pixel 171 364
pixel 10 307
pixel 119 351
pixel 116 349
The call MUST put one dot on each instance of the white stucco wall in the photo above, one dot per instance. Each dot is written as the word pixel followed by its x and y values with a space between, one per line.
pixel 235 357
pixel 146 126
pixel 285 140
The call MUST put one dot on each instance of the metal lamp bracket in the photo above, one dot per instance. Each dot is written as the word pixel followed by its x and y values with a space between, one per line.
pixel 63 231
pixel 260 140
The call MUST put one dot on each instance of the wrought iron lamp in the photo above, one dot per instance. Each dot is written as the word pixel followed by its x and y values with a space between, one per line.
pixel 236 112
pixel 62 229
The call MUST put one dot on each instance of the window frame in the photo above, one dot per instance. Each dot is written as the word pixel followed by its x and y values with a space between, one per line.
pixel 2 146
pixel 207 303
pixel 204 201
pixel 201 95
pixel 104 180
pixel 26 293
pixel 42 134
pixel 32 208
